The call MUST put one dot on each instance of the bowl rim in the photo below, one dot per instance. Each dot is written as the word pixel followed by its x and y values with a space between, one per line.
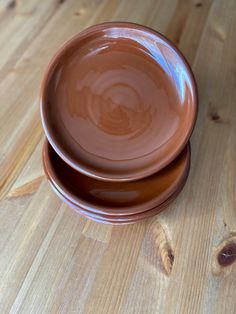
pixel 115 211
pixel 147 171
pixel 124 219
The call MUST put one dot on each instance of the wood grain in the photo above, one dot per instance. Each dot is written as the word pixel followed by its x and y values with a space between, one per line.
pixel 54 261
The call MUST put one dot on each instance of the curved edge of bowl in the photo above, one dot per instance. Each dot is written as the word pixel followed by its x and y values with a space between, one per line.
pixel 96 174
pixel 99 209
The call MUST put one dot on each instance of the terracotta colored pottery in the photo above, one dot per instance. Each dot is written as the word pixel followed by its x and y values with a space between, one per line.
pixel 118 103
pixel 115 198
pixel 124 219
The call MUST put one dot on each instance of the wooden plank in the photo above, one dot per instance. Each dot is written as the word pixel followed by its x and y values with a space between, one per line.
pixel 55 254
pixel 193 30
pixel 22 245
pixel 115 273
pixel 152 271
pixel 27 20
pixel 22 99
pixel 31 175
pixel 54 261
pixel 201 224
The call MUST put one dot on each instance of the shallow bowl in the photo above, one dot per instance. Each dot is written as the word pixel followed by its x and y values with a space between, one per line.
pixel 118 102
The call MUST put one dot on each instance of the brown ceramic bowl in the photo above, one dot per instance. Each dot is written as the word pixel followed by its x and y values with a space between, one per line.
pixel 124 219
pixel 118 102
pixel 115 198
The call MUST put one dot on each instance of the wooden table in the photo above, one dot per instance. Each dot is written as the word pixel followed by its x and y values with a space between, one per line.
pixel 54 261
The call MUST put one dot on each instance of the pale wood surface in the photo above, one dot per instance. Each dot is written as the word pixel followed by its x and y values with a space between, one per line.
pixel 54 261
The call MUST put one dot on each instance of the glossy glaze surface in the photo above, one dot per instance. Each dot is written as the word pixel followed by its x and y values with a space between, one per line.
pixel 119 219
pixel 118 102
pixel 115 198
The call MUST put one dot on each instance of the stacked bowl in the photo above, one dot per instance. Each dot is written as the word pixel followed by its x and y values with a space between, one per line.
pixel 118 105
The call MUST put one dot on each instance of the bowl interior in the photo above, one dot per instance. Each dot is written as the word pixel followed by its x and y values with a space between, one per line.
pixel 118 102
pixel 117 219
pixel 115 197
